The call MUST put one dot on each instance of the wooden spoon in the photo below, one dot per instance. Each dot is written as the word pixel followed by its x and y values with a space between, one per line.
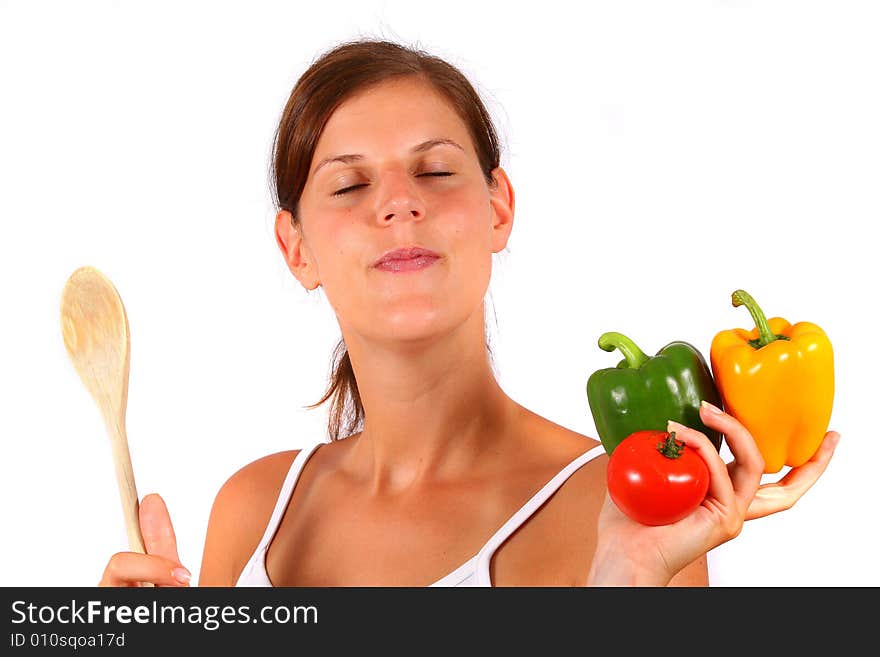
pixel 95 330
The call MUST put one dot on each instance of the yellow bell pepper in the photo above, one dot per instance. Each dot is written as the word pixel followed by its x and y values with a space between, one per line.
pixel 778 381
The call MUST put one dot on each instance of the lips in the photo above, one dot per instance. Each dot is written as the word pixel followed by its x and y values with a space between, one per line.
pixel 406 253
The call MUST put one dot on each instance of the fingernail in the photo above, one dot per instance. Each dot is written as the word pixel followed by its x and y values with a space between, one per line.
pixel 709 407
pixel 181 574
pixel 672 425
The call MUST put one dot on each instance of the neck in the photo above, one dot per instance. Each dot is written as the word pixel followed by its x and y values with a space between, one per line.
pixel 430 412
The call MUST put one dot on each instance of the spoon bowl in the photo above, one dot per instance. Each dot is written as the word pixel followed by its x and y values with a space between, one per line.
pixel 94 326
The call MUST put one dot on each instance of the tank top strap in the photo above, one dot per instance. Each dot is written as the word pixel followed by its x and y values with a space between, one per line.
pixel 526 510
pixel 296 467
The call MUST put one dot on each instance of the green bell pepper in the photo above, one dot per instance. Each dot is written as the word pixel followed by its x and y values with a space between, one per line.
pixel 642 393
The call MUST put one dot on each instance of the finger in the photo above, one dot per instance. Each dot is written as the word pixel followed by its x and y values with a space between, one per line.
pixel 748 465
pixel 156 528
pixel 783 494
pixel 720 486
pixel 132 568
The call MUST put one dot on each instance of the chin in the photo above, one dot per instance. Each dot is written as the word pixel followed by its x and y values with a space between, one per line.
pixel 412 326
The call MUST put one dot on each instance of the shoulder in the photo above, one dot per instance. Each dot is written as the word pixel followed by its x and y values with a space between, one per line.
pixel 239 515
pixel 555 545
pixel 256 483
pixel 560 445
pixel 583 491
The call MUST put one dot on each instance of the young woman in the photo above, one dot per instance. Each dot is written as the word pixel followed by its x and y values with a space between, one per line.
pixel 390 197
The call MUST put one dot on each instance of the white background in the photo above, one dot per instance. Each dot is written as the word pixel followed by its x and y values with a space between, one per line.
pixel 662 154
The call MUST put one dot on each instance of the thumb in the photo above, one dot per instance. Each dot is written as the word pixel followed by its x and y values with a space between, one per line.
pixel 156 528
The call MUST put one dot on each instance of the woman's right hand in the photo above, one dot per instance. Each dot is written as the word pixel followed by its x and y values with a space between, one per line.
pixel 160 565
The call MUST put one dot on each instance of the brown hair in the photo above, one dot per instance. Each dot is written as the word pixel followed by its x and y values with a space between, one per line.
pixel 334 76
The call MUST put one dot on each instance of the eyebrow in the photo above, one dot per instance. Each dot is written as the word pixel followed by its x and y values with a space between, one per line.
pixel 348 158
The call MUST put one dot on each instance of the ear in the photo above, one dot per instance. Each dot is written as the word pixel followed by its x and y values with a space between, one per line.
pixel 502 201
pixel 295 251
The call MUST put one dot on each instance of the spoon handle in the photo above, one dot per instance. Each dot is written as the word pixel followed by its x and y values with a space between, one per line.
pixel 125 481
pixel 127 489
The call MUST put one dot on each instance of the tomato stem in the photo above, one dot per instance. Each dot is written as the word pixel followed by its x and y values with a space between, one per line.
pixel 671 447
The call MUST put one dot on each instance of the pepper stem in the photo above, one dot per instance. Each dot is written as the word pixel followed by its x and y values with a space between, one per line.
pixel 671 448
pixel 765 335
pixel 612 340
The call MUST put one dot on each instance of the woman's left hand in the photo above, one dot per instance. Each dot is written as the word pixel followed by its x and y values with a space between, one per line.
pixel 629 553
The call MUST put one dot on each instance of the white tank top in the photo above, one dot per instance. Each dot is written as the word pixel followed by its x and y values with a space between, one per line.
pixel 473 572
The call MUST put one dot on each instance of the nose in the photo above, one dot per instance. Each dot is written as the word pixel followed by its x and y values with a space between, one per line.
pixel 399 199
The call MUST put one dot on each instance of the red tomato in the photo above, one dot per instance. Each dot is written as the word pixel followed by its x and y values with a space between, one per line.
pixel 655 479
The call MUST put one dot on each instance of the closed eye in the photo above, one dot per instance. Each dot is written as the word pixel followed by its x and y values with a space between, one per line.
pixel 353 187
pixel 347 189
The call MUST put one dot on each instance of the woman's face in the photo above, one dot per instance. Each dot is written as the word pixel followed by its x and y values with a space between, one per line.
pixel 386 194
